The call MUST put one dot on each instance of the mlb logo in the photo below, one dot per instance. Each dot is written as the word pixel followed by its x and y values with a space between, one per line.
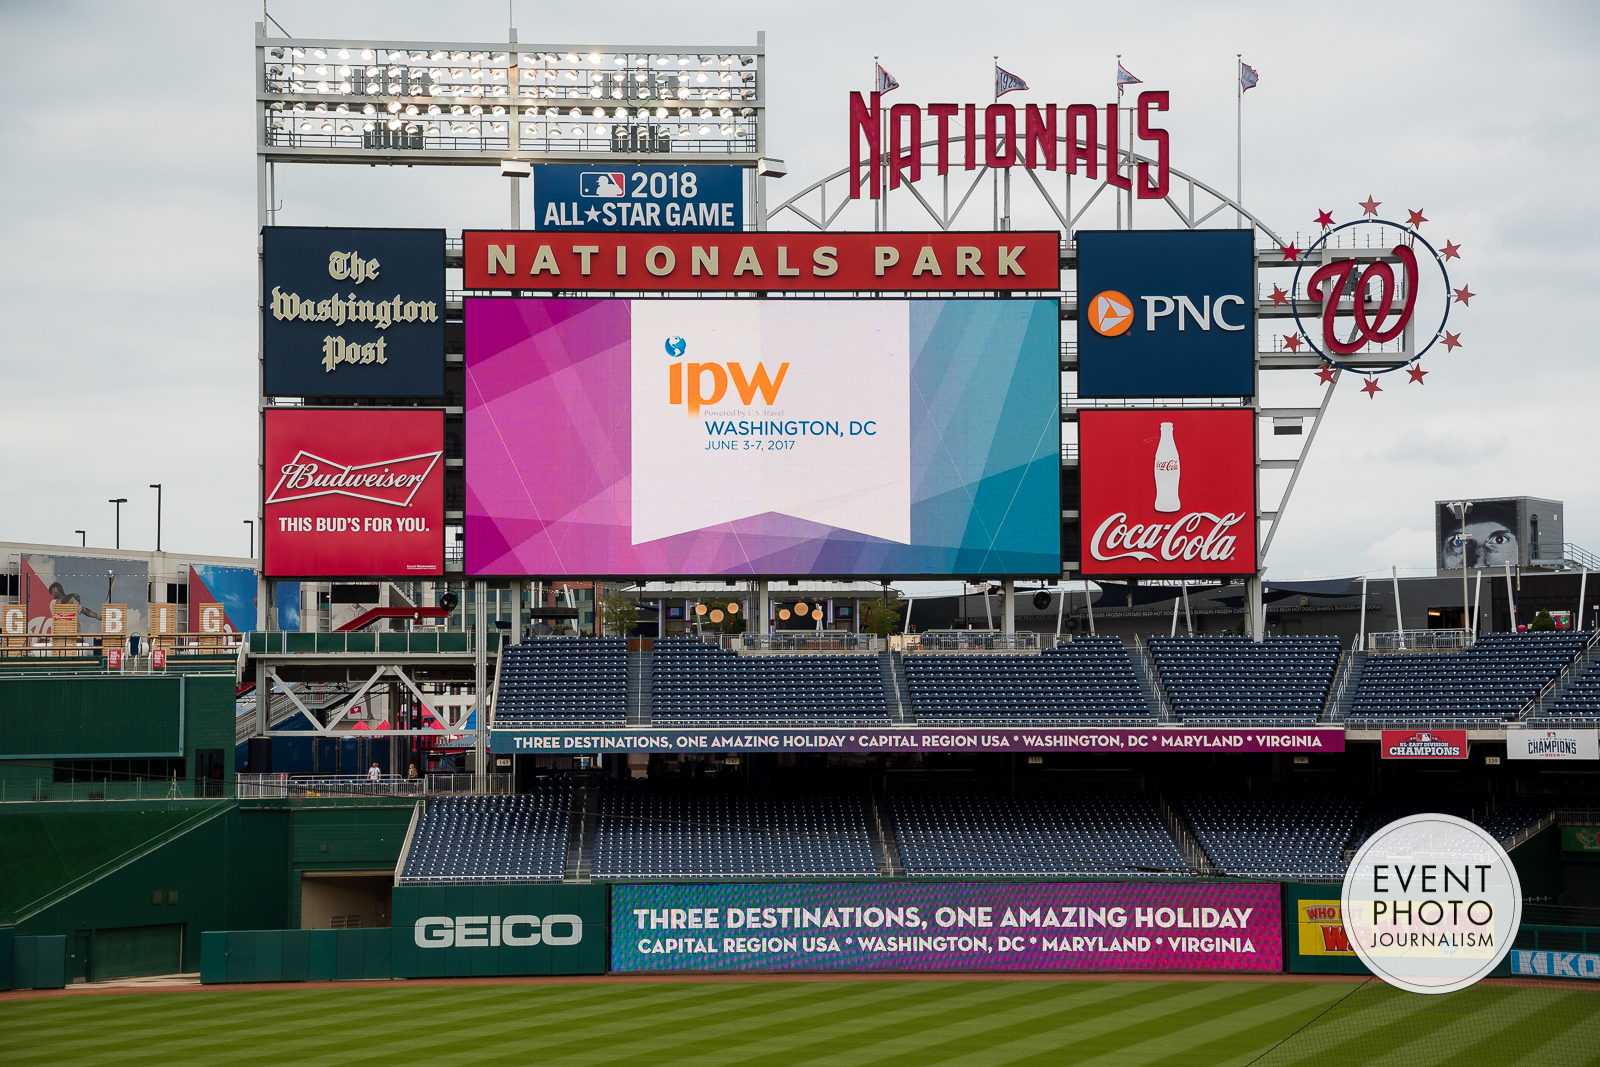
pixel 602 183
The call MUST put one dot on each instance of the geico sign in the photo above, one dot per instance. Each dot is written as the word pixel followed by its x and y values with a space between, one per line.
pixel 492 931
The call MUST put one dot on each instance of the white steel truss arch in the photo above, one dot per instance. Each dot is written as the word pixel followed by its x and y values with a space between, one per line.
pixel 945 218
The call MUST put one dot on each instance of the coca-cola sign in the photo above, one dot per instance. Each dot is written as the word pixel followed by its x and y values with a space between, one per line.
pixel 1168 492
pixel 353 493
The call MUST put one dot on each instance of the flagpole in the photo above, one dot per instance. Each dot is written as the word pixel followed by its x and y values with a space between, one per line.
pixel 880 214
pixel 988 146
pixel 1116 149
pixel 1238 139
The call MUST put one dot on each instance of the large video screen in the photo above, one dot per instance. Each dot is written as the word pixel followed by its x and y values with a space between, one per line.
pixel 748 437
pixel 946 927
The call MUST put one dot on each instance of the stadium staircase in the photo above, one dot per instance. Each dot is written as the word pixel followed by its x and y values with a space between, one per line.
pixel 581 828
pixel 1155 696
pixel 1193 854
pixel 885 848
pixel 641 687
pixel 896 694
pixel 1573 698
pixel 1342 694
pixel 318 696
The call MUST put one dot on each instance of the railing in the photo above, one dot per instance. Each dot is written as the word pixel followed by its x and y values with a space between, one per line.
pixel 970 641
pixel 96 646
pixel 1343 674
pixel 1558 938
pixel 43 788
pixel 397 642
pixel 359 785
pixel 1579 663
pixel 1420 641
pixel 805 641
pixel 1193 854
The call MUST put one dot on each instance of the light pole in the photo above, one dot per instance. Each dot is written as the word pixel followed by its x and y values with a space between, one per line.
pixel 83 538
pixel 1461 507
pixel 119 501
pixel 252 524
pixel 157 487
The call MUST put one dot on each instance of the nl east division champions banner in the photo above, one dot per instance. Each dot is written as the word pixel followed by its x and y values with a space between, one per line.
pixel 716 437
pixel 946 926
pixel 1168 492
pixel 353 493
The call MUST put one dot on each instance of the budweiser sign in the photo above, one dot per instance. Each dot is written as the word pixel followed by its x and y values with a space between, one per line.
pixel 387 481
pixel 376 510
pixel 1168 492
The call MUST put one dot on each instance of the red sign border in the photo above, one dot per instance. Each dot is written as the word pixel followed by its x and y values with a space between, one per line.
pixel 1445 734
pixel 1255 487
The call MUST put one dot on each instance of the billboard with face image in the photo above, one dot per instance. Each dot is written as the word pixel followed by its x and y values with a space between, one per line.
pixel 1489 539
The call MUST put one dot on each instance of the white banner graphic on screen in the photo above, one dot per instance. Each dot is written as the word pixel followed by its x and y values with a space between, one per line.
pixel 798 408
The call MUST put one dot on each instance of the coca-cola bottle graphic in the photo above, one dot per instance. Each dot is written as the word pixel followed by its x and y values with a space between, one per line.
pixel 1167 471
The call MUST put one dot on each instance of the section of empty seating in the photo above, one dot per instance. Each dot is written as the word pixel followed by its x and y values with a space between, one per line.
pixel 1033 835
pixel 1089 679
pixel 1517 813
pixel 1273 837
pixel 1580 701
pixel 1380 813
pixel 1227 680
pixel 699 684
pixel 647 830
pixel 1490 682
pixel 564 679
pixel 491 839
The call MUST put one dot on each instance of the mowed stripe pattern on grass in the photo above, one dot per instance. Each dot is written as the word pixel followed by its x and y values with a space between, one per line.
pixel 827 1024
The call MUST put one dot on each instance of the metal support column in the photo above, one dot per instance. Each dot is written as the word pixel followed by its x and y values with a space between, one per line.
pixel 1010 587
pixel 480 698
pixel 263 698
pixel 764 611
pixel 1258 614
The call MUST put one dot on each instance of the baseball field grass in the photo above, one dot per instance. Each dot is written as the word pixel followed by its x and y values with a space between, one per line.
pixel 834 1023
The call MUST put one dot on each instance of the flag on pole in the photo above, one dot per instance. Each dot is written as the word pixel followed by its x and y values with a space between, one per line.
pixel 1247 77
pixel 1124 78
pixel 884 80
pixel 1005 81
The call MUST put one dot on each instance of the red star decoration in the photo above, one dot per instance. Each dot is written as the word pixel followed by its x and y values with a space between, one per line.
pixel 1416 218
pixel 1452 341
pixel 1369 206
pixel 1464 295
pixel 1417 374
pixel 1451 251
pixel 1326 374
pixel 1292 342
pixel 1372 388
pixel 1281 297
pixel 1290 252
pixel 1324 219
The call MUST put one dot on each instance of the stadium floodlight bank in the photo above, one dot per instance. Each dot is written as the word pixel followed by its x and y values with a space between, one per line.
pixel 361 100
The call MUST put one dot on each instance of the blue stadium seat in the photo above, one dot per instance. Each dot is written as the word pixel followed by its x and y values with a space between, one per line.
pixel 696 684
pixel 1488 684
pixel 1579 705
pixel 1225 680
pixel 552 681
pixel 651 830
pixel 960 836
pixel 1089 680
pixel 491 839
pixel 1261 837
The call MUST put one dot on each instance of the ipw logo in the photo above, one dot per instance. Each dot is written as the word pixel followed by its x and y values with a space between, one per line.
pixel 703 384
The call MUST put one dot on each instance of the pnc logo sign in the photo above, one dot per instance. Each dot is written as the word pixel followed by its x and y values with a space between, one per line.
pixel 1110 313
pixel 698 385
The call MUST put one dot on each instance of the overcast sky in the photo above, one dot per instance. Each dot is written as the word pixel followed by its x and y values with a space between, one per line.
pixel 127 245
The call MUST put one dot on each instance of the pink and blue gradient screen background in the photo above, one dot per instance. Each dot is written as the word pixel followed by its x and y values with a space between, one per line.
pixel 549 447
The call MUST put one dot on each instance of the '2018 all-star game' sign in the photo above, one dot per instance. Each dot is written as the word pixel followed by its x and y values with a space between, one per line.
pixel 352 312
pixel 1168 492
